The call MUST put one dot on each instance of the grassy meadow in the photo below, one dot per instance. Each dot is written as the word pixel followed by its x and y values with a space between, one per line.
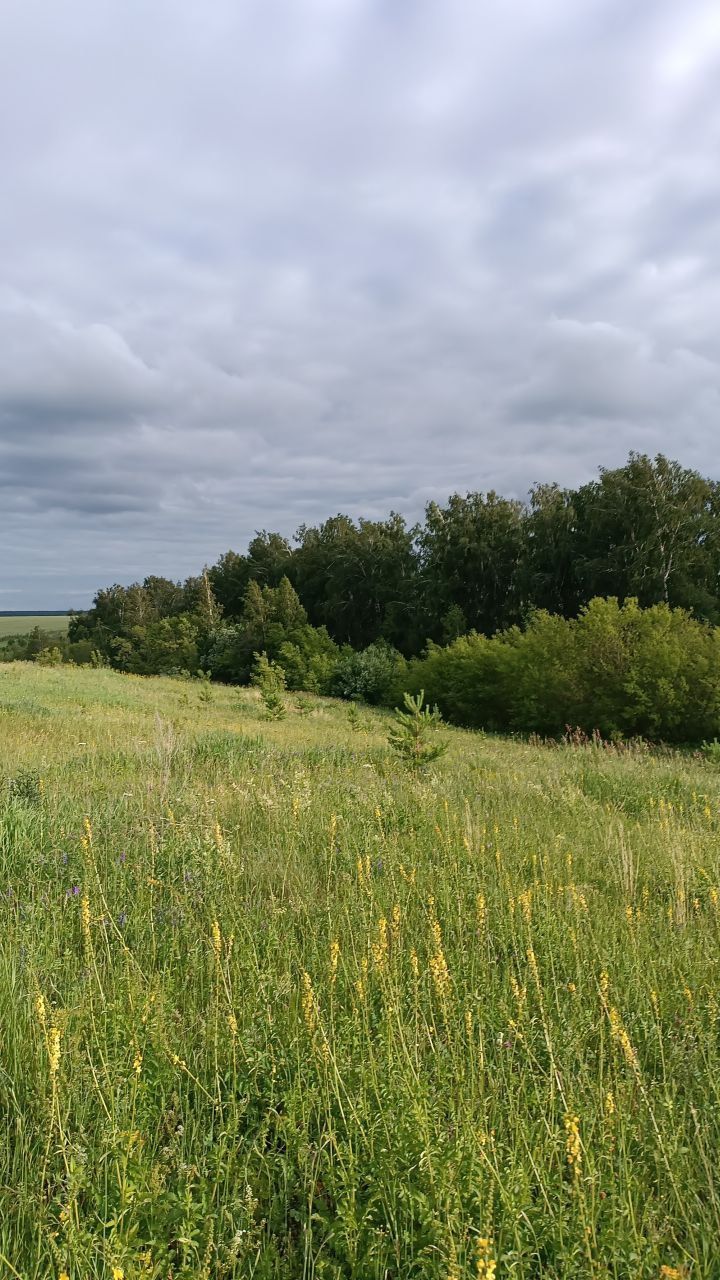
pixel 21 624
pixel 272 1006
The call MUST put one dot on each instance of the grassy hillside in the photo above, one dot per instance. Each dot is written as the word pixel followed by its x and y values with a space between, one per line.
pixel 272 1007
pixel 20 624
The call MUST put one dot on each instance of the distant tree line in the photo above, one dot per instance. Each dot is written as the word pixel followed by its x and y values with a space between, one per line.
pixel 361 608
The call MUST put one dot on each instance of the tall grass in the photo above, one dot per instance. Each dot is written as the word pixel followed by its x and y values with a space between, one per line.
pixel 272 1007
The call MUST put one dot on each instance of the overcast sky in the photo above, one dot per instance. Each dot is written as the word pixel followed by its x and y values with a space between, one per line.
pixel 265 260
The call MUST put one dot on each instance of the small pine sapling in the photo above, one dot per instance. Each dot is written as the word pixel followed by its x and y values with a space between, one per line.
pixel 412 732
pixel 206 694
pixel 269 679
pixel 354 718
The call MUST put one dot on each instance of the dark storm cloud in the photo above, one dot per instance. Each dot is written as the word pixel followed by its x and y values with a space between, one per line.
pixel 263 262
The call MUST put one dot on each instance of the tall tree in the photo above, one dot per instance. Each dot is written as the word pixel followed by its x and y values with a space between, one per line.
pixel 360 580
pixel 648 530
pixel 549 578
pixel 268 559
pixel 471 553
pixel 229 579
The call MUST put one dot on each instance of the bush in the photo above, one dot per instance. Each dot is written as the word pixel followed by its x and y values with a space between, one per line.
pixel 618 669
pixel 468 680
pixel 50 657
pixel 309 660
pixel 374 675
pixel 711 751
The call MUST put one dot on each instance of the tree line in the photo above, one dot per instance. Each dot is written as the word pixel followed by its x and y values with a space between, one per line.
pixel 358 607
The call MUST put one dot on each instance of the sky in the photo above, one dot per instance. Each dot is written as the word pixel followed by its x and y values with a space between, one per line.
pixel 262 261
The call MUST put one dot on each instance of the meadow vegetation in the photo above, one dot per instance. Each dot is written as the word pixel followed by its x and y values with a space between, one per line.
pixel 273 1004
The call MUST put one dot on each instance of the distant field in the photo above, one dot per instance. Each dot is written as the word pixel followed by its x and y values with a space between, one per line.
pixel 21 623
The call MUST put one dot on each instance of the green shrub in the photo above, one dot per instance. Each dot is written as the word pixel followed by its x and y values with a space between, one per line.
pixel 375 675
pixel 618 669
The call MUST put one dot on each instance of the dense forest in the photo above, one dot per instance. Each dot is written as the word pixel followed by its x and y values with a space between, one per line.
pixel 494 606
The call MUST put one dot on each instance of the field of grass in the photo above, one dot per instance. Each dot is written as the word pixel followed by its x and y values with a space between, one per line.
pixel 20 624
pixel 270 1006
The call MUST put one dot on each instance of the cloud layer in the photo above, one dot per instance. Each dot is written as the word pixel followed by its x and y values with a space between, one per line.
pixel 264 262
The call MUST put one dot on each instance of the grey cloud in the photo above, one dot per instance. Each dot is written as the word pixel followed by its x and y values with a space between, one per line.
pixel 263 262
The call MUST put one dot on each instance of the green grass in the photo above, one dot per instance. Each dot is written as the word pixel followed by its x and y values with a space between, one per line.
pixel 313 1016
pixel 24 622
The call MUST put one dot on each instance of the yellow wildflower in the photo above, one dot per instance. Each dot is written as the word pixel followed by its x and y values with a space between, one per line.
pixel 520 993
pixel 85 917
pixel 216 939
pixel 621 1037
pixel 486 1264
pixel 334 959
pixel 573 1146
pixel 309 1006
pixel 380 948
pixel 41 1009
pixel 438 965
pixel 53 1050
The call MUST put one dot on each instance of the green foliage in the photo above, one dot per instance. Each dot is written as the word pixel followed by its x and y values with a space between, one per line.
pixel 305 706
pixel 467 680
pixel 309 659
pixel 711 751
pixel 52 656
pixel 412 734
pixel 479 563
pixel 470 556
pixel 274 622
pixel 374 676
pixel 360 580
pixel 618 669
pixel 26 786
